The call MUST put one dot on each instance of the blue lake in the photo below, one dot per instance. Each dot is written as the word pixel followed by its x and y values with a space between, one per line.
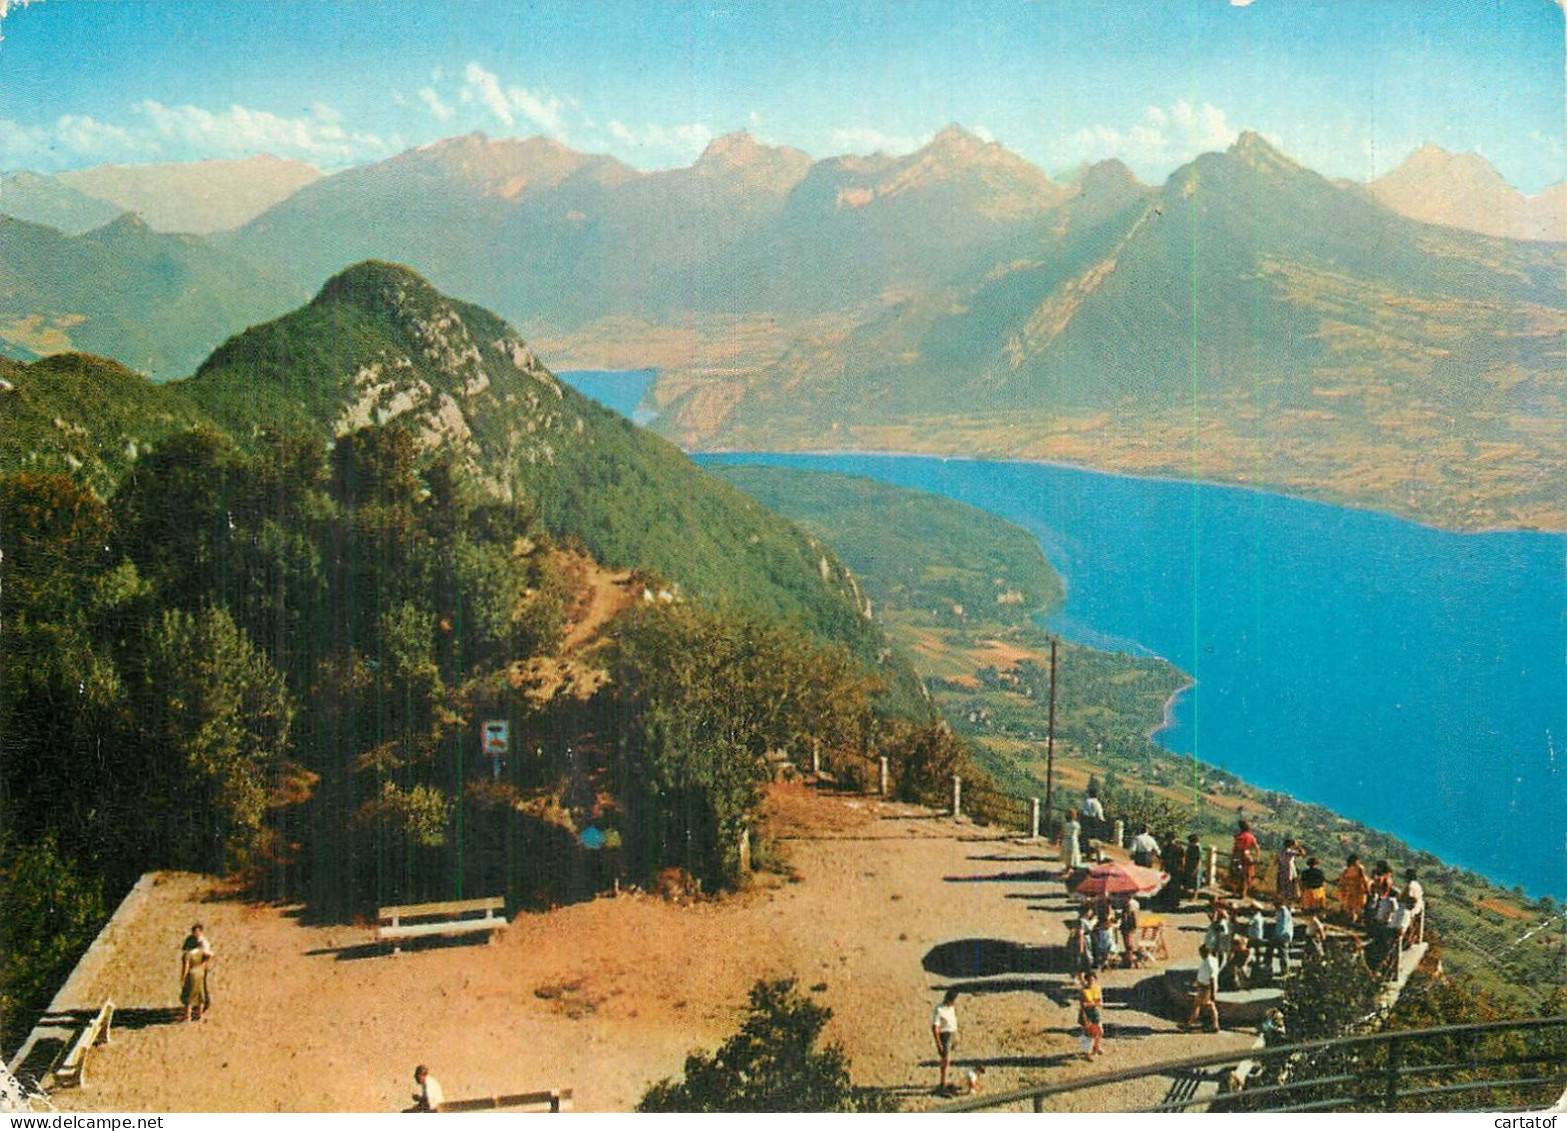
pixel 1410 678
pixel 619 389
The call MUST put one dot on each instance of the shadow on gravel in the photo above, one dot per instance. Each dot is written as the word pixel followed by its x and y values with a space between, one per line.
pixel 988 958
pixel 1036 877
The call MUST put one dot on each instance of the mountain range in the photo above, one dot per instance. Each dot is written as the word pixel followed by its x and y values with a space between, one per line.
pixel 1248 320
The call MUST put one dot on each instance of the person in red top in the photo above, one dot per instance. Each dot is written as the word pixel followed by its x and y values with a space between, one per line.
pixel 1243 859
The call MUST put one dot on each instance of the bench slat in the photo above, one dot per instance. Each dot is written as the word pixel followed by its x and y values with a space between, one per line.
pixel 556 1098
pixel 448 907
pixel 449 927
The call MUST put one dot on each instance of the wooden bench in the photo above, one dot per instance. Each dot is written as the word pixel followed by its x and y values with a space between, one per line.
pixel 453 917
pixel 71 1072
pixel 556 1099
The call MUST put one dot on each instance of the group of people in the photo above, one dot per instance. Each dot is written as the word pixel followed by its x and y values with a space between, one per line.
pixel 1103 933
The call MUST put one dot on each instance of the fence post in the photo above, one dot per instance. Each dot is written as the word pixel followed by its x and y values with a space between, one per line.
pixel 882 780
pixel 1213 865
pixel 816 757
pixel 1390 1099
pixel 957 796
pixel 1034 817
pixel 1120 834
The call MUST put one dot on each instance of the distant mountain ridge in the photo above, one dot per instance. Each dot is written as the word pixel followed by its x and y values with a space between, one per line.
pixel 1251 321
pixel 746 227
pixel 49 201
pixel 199 197
pixel 1248 320
pixel 1463 190
pixel 153 301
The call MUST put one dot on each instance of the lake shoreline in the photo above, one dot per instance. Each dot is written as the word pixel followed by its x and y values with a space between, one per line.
pixel 1336 648
pixel 1088 469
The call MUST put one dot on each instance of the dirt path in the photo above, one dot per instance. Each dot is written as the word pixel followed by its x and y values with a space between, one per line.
pixel 599 595
pixel 892 905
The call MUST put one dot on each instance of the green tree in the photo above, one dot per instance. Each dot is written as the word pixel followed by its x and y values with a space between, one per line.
pixel 771 1064
pixel 63 596
pixel 215 718
pixel 49 910
pixel 705 698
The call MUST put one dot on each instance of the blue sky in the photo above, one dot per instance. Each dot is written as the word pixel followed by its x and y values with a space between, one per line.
pixel 1348 88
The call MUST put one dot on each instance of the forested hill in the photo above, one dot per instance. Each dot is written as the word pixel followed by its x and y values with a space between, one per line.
pixel 379 343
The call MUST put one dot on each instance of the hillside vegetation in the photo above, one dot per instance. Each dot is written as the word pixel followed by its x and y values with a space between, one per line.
pixel 268 652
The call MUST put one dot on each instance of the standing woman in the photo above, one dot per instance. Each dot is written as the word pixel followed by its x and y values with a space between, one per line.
pixel 1287 876
pixel 193 982
pixel 1353 888
pixel 1071 842
pixel 1090 1015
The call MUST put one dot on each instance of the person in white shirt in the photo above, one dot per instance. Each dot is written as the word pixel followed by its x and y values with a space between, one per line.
pixel 1280 938
pixel 1207 987
pixel 429 1097
pixel 1094 808
pixel 1415 899
pixel 944 1026
pixel 1145 849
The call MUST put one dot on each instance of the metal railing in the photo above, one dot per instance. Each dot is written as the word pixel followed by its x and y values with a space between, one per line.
pixel 1447 1068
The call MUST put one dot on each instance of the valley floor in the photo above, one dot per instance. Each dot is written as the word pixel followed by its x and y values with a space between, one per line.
pixel 892 905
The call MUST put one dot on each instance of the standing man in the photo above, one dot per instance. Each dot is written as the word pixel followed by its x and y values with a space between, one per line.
pixel 1207 987
pixel 944 1027
pixel 1145 849
pixel 429 1097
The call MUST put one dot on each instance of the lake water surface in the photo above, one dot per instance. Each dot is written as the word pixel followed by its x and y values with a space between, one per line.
pixel 619 389
pixel 1410 678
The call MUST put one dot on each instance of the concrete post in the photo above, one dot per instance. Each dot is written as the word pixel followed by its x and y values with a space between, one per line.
pixel 816 757
pixel 1213 865
pixel 1120 834
pixel 884 777
pixel 957 796
pixel 1033 817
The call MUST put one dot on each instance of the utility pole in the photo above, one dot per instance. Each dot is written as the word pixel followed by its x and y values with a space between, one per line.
pixel 1050 743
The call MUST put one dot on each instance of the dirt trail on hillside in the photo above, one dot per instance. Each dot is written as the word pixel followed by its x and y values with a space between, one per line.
pixel 598 595
pixel 892 905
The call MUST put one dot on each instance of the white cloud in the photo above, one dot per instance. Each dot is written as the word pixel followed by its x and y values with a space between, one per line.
pixel 506 103
pixel 864 139
pixel 655 141
pixel 1241 3
pixel 1163 138
pixel 158 132
pixel 442 111
pixel 239 131
pixel 486 87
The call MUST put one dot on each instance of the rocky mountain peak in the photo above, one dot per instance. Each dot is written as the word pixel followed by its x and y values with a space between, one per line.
pixel 1256 151
pixel 740 156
